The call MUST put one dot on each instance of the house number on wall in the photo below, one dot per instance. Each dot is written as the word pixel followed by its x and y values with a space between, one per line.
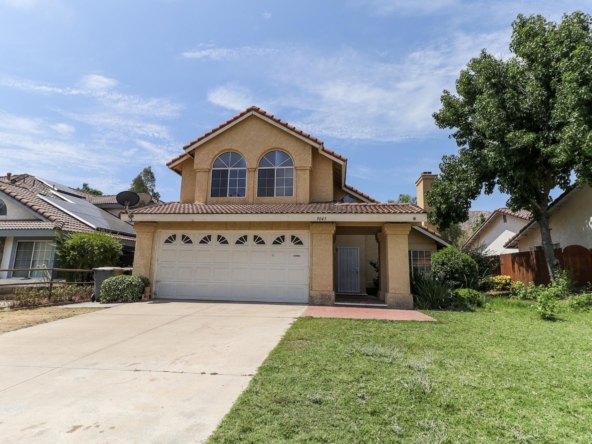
pixel 321 218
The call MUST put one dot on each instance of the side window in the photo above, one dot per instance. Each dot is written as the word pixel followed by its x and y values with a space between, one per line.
pixel 229 176
pixel 421 261
pixel 3 210
pixel 275 175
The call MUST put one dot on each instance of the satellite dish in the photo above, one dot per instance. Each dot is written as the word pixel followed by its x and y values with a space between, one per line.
pixel 127 199
pixel 145 199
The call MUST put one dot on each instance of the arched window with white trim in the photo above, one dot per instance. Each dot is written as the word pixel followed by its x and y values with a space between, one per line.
pixel 3 211
pixel 229 176
pixel 275 176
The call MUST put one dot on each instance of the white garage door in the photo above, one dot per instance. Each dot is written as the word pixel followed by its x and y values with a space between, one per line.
pixel 237 266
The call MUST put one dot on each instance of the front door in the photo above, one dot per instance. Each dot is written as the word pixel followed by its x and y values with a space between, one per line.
pixel 348 270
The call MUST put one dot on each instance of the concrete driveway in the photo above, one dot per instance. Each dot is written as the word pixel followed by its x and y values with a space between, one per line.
pixel 144 372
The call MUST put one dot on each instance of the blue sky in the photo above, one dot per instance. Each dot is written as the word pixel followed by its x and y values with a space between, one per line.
pixel 95 91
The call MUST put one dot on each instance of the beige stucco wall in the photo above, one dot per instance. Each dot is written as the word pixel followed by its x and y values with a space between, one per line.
pixel 496 233
pixel 419 241
pixel 253 138
pixel 187 182
pixel 15 211
pixel 570 225
pixel 321 178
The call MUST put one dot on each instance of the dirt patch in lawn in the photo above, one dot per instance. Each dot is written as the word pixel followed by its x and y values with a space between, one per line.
pixel 14 320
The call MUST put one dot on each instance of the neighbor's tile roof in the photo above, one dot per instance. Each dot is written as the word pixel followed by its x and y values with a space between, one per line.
pixel 28 225
pixel 310 208
pixel 26 189
pixel 264 113
pixel 522 214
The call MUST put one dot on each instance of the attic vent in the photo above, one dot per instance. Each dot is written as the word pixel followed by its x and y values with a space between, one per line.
pixel 347 199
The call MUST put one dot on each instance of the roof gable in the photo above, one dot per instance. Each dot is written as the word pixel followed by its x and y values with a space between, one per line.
pixel 494 218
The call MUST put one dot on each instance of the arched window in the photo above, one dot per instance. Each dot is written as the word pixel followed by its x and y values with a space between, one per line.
pixel 229 176
pixel 275 177
pixel 2 208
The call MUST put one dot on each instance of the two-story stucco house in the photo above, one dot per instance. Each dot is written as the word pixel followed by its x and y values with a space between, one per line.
pixel 265 215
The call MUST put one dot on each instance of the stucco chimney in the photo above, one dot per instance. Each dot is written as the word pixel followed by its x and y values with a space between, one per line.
pixel 8 176
pixel 423 185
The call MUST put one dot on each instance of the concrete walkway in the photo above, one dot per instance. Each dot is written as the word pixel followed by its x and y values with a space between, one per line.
pixel 366 313
pixel 144 372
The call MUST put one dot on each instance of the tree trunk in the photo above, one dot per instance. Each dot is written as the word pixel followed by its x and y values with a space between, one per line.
pixel 547 243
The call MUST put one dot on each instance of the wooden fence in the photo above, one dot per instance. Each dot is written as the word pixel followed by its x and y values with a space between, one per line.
pixel 530 266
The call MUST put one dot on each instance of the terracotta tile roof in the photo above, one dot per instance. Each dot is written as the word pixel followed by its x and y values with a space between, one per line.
pixel 552 208
pixel 26 189
pixel 522 214
pixel 355 190
pixel 310 208
pixel 255 109
pixel 180 156
pixel 434 232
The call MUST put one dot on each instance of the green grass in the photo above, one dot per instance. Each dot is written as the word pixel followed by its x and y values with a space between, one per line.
pixel 487 376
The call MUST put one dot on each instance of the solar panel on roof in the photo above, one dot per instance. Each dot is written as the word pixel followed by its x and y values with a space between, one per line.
pixel 61 188
pixel 90 214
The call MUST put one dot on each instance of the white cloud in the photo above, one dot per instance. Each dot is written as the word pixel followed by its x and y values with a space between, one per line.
pixel 117 102
pixel 19 124
pixel 97 82
pixel 267 15
pixel 107 133
pixel 351 95
pixel 220 54
pixel 64 128
pixel 231 96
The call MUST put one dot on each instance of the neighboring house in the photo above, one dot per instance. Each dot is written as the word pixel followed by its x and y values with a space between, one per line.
pixel 265 214
pixel 108 202
pixel 570 220
pixel 498 228
pixel 33 210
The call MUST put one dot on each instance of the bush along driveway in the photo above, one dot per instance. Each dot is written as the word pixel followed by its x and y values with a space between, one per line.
pixel 499 374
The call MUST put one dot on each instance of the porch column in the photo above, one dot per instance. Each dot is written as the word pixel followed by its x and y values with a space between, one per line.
pixel 145 237
pixel 381 239
pixel 321 264
pixel 398 286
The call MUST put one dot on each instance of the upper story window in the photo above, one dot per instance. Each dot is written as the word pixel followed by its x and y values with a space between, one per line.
pixel 229 176
pixel 275 177
pixel 2 208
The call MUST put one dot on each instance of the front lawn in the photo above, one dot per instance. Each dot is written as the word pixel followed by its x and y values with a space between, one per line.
pixel 488 376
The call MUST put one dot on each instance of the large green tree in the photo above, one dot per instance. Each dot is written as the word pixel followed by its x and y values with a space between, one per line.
pixel 145 182
pixel 523 125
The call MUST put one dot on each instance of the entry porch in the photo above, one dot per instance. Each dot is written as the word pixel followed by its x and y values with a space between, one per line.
pixel 345 258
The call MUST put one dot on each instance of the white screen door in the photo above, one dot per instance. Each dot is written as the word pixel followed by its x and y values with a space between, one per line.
pixel 348 273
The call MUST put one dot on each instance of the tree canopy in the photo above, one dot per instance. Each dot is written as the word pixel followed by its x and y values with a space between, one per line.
pixel 523 125
pixel 405 198
pixel 145 182
pixel 87 189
